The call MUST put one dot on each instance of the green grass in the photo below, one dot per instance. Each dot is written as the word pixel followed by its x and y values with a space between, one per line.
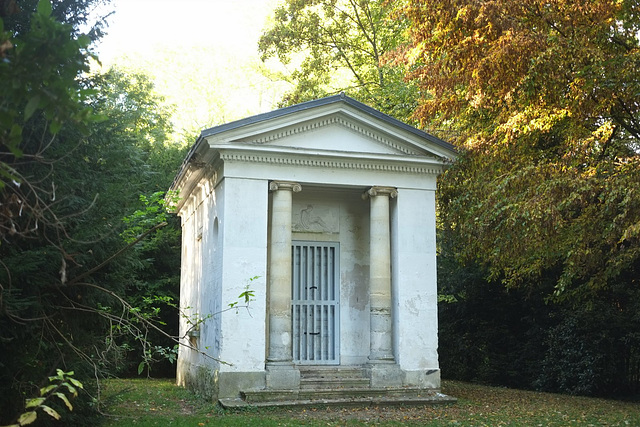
pixel 144 402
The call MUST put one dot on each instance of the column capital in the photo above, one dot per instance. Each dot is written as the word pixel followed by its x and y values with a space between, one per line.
pixel 285 185
pixel 380 191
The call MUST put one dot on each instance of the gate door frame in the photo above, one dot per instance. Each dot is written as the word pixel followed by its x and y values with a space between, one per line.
pixel 315 303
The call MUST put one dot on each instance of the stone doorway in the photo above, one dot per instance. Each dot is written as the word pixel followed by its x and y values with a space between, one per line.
pixel 315 304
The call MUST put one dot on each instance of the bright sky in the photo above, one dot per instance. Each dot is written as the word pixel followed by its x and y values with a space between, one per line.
pixel 140 25
pixel 201 54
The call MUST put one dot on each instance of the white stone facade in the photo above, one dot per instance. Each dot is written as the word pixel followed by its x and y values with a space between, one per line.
pixel 332 171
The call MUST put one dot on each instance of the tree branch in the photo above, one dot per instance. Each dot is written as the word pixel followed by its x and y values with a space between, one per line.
pixel 115 255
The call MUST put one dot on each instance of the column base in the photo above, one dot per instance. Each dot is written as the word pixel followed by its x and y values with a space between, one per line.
pixel 282 376
pixel 376 358
pixel 385 374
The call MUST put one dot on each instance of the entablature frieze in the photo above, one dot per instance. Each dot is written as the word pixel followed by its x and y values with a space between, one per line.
pixel 332 161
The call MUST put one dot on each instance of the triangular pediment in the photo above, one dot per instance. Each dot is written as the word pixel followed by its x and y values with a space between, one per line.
pixel 337 124
pixel 334 133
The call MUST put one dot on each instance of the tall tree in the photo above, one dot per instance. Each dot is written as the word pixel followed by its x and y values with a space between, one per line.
pixel 36 101
pixel 76 153
pixel 542 97
pixel 340 45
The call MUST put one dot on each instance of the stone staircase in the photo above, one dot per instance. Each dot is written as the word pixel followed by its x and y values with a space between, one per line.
pixel 333 378
pixel 336 386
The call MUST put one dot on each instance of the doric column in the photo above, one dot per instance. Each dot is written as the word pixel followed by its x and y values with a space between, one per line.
pixel 279 356
pixel 381 344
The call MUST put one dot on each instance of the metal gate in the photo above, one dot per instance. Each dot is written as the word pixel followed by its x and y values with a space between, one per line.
pixel 315 305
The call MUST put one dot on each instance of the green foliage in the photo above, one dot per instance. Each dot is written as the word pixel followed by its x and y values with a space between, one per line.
pixel 542 100
pixel 245 297
pixel 336 46
pixel 51 89
pixel 516 337
pixel 155 213
pixel 62 382
pixel 489 334
pixel 151 354
pixel 69 290
pixel 594 351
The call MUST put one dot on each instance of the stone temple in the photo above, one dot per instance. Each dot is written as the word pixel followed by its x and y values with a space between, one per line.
pixel 326 212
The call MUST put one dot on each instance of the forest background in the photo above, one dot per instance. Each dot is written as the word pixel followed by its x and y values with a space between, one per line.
pixel 539 218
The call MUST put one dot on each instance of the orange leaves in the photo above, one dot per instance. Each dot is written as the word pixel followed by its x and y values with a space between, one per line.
pixel 500 54
pixel 466 51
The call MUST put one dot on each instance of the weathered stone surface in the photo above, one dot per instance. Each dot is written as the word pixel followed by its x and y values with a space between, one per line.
pixel 282 377
pixel 248 189
pixel 231 384
pixel 341 398
pixel 385 375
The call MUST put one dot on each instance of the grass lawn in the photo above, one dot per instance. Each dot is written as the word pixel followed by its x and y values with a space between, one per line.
pixel 150 402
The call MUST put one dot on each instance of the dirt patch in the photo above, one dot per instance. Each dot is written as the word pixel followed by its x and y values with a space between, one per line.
pixel 186 408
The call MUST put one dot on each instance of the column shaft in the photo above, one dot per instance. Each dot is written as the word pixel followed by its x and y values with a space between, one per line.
pixel 280 333
pixel 381 343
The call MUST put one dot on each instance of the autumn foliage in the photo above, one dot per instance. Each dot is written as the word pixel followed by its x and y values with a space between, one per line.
pixel 539 218
pixel 543 98
pixel 499 57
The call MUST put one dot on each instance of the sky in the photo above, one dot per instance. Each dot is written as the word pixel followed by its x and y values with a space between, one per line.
pixel 201 54
pixel 140 25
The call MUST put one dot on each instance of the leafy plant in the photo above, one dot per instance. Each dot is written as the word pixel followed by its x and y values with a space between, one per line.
pixel 194 320
pixel 245 297
pixel 63 382
pixel 82 159
pixel 153 215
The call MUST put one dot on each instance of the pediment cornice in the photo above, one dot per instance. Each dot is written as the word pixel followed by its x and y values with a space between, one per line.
pixel 333 160
pixel 334 120
pixel 335 133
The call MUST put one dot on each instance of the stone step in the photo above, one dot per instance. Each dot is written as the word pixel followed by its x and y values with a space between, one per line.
pixel 333 383
pixel 332 377
pixel 332 372
pixel 332 394
pixel 341 398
